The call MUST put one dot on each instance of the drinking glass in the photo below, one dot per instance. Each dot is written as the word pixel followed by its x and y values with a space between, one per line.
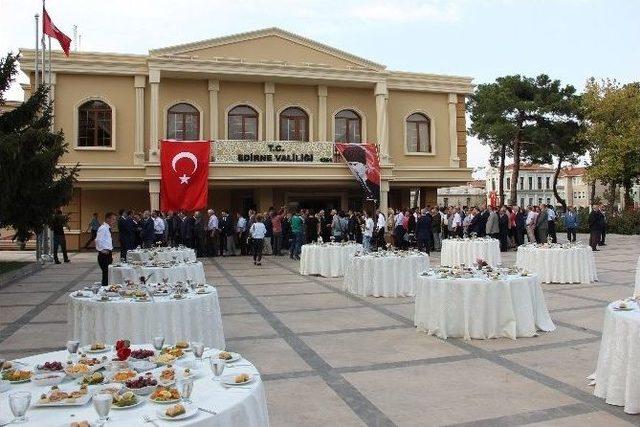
pixel 72 348
pixel 217 367
pixel 102 404
pixel 2 362
pixel 186 387
pixel 198 349
pixel 19 403
pixel 158 342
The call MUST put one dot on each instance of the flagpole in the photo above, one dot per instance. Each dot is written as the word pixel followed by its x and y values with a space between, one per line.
pixel 35 87
pixel 50 77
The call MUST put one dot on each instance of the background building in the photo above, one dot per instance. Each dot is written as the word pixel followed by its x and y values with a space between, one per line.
pixel 471 194
pixel 252 93
pixel 535 184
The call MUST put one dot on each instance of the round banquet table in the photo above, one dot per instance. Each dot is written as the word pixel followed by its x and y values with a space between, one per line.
pixel 558 265
pixel 480 308
pixel 467 251
pixel 245 406
pixel 388 275
pixel 637 288
pixel 197 317
pixel 164 254
pixel 327 259
pixel 617 375
pixel 175 273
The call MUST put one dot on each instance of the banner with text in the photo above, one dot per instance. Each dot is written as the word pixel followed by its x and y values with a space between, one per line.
pixel 272 152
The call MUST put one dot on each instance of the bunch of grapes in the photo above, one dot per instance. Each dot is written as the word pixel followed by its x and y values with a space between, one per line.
pixel 51 366
pixel 141 354
pixel 141 382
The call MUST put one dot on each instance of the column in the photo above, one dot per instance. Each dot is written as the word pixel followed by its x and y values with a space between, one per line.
pixel 139 83
pixel 384 196
pixel 454 161
pixel 214 88
pixel 381 94
pixel 322 113
pixel 154 194
pixel 154 83
pixel 344 201
pixel 269 90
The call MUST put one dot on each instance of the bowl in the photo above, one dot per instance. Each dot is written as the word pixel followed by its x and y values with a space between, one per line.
pixel 48 379
pixel 142 365
pixel 144 391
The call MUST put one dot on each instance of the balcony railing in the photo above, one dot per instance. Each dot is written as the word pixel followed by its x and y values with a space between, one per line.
pixel 273 152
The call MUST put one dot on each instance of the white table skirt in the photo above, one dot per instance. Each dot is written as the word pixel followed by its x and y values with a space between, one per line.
pixel 328 260
pixel 480 308
pixel 240 407
pixel 144 255
pixel 617 374
pixel 467 251
pixel 558 265
pixel 637 288
pixel 195 318
pixel 388 276
pixel 176 273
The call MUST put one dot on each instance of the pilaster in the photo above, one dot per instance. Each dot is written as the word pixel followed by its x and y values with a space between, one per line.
pixel 322 113
pixel 139 83
pixel 154 194
pixel 154 83
pixel 269 90
pixel 381 93
pixel 454 160
pixel 214 88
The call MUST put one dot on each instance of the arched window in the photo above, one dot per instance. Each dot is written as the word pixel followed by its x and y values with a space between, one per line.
pixel 183 122
pixel 294 125
pixel 94 124
pixel 348 127
pixel 243 123
pixel 418 133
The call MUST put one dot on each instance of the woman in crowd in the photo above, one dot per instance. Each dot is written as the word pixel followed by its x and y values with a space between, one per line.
pixel 258 232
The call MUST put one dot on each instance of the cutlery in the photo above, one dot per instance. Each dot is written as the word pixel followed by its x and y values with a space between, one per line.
pixel 148 419
pixel 208 411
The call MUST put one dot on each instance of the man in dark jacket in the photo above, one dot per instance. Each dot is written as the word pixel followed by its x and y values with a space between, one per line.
pixel 148 234
pixel 186 231
pixel 474 225
pixel 122 219
pixel 176 223
pixel 503 227
pixel 424 231
pixel 596 225
pixel 482 224
pixel 59 240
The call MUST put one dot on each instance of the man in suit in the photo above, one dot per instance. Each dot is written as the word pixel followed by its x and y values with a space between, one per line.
pixel 122 219
pixel 186 231
pixel 482 222
pixel 596 225
pixel 474 225
pixel 148 233
pixel 423 231
pixel 542 224
pixel 493 227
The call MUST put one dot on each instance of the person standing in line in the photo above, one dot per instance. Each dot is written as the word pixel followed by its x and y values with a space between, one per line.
pixel 57 226
pixel 398 229
pixel 551 220
pixel 122 234
pixel 520 225
pixel 241 232
pixel 424 231
pixel 603 212
pixel 381 224
pixel 199 234
pixel 367 235
pixel 493 227
pixel 276 233
pixel 436 227
pixel 230 234
pixel 484 217
pixel 104 246
pixel 530 223
pixel 503 229
pixel 257 232
pixel 571 223
pixel 542 224
pixel 311 225
pixel 297 231
pixel 94 224
pixel 213 233
pixel 596 224
pixel 147 230
pixel 158 227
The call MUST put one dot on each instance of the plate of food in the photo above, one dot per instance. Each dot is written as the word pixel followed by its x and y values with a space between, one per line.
pixel 48 378
pixel 58 397
pixel 142 354
pixel 165 395
pixel 49 367
pixel 17 376
pixel 126 400
pixel 163 359
pixel 96 347
pixel 229 356
pixel 236 380
pixel 177 412
pixel 183 345
pixel 92 379
pixel 123 376
pixel 142 385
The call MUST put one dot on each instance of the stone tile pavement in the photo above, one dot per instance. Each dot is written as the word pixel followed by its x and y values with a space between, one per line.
pixel 333 359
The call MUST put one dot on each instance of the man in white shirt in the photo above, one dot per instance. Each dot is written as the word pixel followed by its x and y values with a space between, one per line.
pixel 104 246
pixel 241 231
pixel 381 225
pixel 530 223
pixel 158 227
pixel 456 225
pixel 213 233
pixel 551 221
pixel 368 232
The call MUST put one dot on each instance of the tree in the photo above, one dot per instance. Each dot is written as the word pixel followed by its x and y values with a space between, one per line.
pixel 612 112
pixel 510 111
pixel 32 185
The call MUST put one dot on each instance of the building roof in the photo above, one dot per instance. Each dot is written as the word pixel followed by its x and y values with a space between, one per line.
pixel 532 167
pixel 571 171
pixel 478 183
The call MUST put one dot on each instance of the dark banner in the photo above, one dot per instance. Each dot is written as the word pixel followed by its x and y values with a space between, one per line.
pixel 363 162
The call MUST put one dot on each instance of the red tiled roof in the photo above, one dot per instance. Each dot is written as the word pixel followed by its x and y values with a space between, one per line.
pixel 573 171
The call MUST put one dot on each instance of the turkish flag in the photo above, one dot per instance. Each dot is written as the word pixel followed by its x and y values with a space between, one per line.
pixel 184 167
pixel 49 28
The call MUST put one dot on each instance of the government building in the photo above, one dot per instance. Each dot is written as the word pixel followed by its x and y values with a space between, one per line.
pixel 252 95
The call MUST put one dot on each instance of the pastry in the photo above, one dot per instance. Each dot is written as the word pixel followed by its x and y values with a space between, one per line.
pixel 242 378
pixel 182 344
pixel 225 355
pixel 175 410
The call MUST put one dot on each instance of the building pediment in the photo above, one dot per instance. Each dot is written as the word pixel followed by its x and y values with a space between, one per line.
pixel 271 45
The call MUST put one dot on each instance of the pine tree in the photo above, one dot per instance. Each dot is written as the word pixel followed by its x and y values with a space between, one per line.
pixel 32 184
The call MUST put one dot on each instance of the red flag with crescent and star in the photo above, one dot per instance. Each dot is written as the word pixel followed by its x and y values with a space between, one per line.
pixel 184 170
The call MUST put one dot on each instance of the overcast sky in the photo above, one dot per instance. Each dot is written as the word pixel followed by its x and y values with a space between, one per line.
pixel 570 40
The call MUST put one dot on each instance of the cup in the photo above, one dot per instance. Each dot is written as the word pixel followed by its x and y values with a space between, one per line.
pixel 185 387
pixel 198 349
pixel 72 347
pixel 102 404
pixel 19 403
pixel 217 367
pixel 158 342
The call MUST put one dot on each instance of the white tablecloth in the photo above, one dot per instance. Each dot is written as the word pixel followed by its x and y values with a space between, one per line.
pixel 467 251
pixel 480 308
pixel 165 254
pixel 238 407
pixel 195 318
pixel 559 265
pixel 385 276
pixel 328 260
pixel 637 289
pixel 617 374
pixel 176 273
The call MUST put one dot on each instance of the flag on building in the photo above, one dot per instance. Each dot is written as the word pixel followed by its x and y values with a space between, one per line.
pixel 363 162
pixel 184 168
pixel 49 28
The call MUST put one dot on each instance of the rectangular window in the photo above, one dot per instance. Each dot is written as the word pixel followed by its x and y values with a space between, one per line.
pixel 493 184
pixel 522 201
pixel 530 183
pixel 530 200
pixel 539 199
pixel 522 183
pixel 548 181
pixel 508 183
pixel 548 201
pixel 540 184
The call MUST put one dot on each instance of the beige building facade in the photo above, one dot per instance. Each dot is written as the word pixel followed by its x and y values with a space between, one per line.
pixel 253 94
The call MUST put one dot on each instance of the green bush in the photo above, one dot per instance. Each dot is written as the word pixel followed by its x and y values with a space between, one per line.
pixel 626 222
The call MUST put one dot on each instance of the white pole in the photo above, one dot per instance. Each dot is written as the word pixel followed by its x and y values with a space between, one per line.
pixel 37 52
pixel 49 61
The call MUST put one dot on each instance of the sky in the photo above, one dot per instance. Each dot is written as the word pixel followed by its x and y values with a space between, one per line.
pixel 570 40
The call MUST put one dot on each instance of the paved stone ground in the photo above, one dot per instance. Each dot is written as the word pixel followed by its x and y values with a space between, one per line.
pixel 333 359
